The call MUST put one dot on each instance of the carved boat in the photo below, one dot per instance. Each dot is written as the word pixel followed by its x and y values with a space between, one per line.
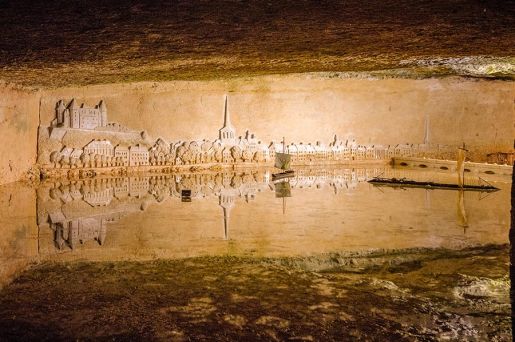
pixel 407 183
pixel 282 161
pixel 282 175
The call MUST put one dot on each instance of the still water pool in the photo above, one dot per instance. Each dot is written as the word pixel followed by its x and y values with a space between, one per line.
pixel 325 257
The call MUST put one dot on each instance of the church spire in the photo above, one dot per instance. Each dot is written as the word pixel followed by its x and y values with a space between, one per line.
pixel 227 132
pixel 227 117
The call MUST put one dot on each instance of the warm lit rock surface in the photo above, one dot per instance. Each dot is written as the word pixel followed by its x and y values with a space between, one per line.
pixel 409 295
pixel 19 120
pixel 55 43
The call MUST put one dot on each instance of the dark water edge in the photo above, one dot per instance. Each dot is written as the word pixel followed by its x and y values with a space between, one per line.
pixel 413 294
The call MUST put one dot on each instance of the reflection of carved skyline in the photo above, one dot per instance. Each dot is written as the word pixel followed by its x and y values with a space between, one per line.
pixel 80 211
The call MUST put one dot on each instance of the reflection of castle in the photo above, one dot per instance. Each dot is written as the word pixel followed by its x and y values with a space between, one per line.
pixel 72 233
pixel 80 212
pixel 73 116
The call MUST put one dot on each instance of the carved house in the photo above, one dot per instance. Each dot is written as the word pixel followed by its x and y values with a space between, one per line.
pixel 121 153
pixel 138 155
pixel 100 147
pixel 78 231
pixel 138 186
pixel 226 155
pixel 99 198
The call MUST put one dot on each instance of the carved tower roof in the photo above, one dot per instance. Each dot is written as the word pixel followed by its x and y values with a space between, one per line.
pixel 227 117
pixel 102 106
pixel 227 132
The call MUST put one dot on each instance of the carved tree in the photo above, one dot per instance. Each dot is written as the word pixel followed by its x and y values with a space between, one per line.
pixel 236 153
pixel 180 151
pixel 64 161
pixel 218 156
pixel 54 158
pixel 84 158
pixel 247 154
pixel 96 158
pixel 188 157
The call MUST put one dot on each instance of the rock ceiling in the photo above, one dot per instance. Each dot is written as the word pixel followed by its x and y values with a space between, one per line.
pixel 59 43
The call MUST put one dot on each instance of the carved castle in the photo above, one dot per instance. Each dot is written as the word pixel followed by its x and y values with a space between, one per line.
pixel 80 117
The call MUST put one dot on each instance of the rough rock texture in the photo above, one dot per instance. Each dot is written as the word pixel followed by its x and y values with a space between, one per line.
pixel 19 243
pixel 19 120
pixel 437 295
pixel 82 42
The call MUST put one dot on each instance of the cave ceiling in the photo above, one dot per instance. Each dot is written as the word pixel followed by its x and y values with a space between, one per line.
pixel 62 43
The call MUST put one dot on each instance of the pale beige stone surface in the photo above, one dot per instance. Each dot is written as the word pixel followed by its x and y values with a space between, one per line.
pixel 308 107
pixel 19 119
pixel 18 229
pixel 304 108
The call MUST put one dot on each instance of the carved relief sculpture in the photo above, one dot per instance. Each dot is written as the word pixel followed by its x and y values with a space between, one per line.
pixel 111 145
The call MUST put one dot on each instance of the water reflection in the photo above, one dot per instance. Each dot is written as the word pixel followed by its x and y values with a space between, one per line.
pixel 328 209
pixel 386 255
pixel 80 211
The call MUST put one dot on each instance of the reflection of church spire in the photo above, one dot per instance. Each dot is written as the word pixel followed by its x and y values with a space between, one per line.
pixel 426 130
pixel 102 233
pixel 226 201
pixel 227 132
pixel 226 223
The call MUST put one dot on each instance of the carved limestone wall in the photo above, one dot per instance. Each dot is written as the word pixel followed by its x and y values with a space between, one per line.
pixel 308 108
pixel 324 120
pixel 19 119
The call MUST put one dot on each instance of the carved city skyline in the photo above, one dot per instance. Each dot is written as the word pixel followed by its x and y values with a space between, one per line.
pixel 112 145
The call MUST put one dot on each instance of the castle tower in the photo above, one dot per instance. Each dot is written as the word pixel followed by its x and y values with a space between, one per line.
pixel 72 104
pixel 73 115
pixel 59 111
pixel 227 132
pixel 103 113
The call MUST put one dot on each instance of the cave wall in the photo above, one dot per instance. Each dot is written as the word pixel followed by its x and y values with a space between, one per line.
pixel 19 242
pixel 19 119
pixel 303 108
pixel 307 108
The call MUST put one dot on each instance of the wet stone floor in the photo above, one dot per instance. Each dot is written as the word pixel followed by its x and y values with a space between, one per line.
pixel 413 294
